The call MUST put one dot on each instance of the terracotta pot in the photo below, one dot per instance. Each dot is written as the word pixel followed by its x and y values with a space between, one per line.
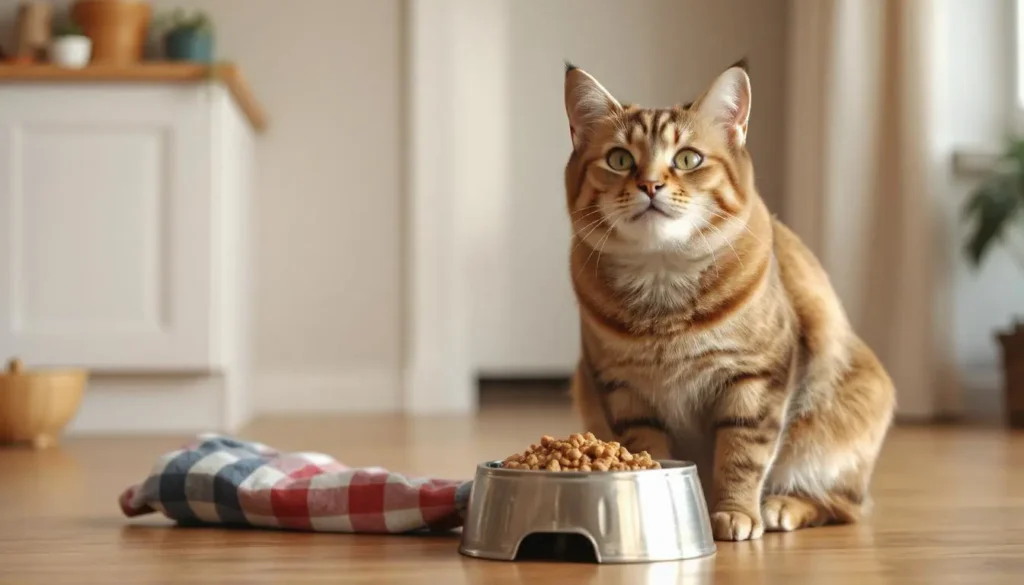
pixel 1013 368
pixel 118 29
pixel 36 405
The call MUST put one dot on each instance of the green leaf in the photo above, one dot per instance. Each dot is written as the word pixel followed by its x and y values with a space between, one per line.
pixel 992 206
pixel 181 19
pixel 996 203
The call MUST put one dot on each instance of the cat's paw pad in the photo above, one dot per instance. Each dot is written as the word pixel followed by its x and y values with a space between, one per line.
pixel 736 526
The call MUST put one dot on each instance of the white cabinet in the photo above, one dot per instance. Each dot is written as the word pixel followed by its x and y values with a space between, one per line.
pixel 123 222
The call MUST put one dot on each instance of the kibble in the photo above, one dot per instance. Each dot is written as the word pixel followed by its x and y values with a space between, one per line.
pixel 579 453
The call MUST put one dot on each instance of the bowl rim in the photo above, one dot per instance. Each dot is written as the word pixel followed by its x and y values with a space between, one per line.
pixel 668 466
pixel 44 373
pixel 15 369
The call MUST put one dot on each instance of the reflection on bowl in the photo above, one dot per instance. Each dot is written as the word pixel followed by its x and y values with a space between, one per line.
pixel 603 516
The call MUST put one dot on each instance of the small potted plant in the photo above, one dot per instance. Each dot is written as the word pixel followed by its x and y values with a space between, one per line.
pixel 189 37
pixel 70 47
pixel 997 207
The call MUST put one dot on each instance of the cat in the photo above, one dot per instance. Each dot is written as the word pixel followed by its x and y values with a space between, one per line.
pixel 709 332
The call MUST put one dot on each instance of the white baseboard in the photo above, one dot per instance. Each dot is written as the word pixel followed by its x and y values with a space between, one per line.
pixel 151 405
pixel 184 405
pixel 348 392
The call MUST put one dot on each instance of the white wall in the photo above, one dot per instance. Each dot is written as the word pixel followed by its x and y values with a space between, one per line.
pixel 330 177
pixel 328 194
pixel 328 200
pixel 656 52
pixel 329 184
pixel 976 45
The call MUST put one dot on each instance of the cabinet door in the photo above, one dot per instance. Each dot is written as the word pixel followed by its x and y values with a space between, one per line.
pixel 105 226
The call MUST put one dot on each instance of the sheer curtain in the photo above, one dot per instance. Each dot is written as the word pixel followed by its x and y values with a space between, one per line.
pixel 858 187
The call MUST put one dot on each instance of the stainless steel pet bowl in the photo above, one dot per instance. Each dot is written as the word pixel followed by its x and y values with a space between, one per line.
pixel 627 516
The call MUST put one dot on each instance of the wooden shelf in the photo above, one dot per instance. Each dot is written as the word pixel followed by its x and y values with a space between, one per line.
pixel 156 72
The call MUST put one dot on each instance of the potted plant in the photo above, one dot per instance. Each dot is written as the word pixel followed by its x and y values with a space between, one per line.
pixel 189 37
pixel 997 207
pixel 70 47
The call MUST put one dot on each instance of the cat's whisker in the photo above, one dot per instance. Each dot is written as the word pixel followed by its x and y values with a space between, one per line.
pixel 597 225
pixel 724 237
pixel 615 219
pixel 589 217
pixel 594 249
pixel 584 228
pixel 592 209
pixel 729 216
pixel 604 242
pixel 718 273
pixel 589 210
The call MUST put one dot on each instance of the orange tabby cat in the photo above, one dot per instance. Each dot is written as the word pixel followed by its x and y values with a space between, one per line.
pixel 710 333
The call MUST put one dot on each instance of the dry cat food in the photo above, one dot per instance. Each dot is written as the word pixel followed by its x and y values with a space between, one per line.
pixel 579 453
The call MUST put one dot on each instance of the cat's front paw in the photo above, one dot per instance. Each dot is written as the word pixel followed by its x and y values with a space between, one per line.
pixel 736 526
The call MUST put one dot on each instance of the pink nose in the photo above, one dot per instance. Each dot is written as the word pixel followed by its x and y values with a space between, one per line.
pixel 650 187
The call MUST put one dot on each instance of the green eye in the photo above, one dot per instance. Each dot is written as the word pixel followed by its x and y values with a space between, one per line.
pixel 619 159
pixel 688 159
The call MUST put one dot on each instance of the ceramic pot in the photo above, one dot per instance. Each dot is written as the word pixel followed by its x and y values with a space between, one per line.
pixel 71 51
pixel 1012 344
pixel 189 45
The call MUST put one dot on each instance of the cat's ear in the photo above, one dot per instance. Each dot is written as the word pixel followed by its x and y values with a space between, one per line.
pixel 727 103
pixel 586 102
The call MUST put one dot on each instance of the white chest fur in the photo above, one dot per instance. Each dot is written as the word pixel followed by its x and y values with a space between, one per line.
pixel 668 280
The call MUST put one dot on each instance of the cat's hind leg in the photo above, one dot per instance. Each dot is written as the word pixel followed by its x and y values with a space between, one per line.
pixel 829 451
pixel 784 513
pixel 818 483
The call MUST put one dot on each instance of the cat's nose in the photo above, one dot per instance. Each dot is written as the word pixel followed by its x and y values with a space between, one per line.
pixel 650 187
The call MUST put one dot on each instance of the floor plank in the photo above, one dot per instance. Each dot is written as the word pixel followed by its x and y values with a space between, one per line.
pixel 950 509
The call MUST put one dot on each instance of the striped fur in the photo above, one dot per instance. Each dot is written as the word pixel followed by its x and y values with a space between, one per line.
pixel 709 331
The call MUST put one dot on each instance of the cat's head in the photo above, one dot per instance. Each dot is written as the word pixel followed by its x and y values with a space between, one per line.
pixel 645 179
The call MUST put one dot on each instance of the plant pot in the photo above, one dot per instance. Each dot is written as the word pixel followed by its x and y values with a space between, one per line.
pixel 1012 344
pixel 189 45
pixel 71 51
pixel 118 29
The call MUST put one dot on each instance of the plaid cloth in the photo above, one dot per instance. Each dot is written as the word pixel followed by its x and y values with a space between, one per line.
pixel 223 481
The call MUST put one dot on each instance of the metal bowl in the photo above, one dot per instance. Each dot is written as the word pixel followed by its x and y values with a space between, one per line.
pixel 607 516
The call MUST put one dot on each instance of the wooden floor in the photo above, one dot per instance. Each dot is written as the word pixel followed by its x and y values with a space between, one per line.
pixel 950 510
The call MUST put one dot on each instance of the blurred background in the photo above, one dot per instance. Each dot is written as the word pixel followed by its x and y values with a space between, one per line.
pixel 365 213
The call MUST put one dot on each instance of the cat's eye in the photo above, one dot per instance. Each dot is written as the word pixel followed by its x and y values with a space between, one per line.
pixel 688 159
pixel 619 159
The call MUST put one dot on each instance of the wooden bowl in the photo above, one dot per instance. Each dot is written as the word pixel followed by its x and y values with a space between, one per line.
pixel 36 405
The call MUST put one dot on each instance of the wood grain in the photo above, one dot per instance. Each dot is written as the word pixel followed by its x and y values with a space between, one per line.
pixel 147 72
pixel 950 509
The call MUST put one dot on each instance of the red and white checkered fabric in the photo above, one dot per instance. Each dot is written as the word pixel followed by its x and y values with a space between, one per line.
pixel 225 481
